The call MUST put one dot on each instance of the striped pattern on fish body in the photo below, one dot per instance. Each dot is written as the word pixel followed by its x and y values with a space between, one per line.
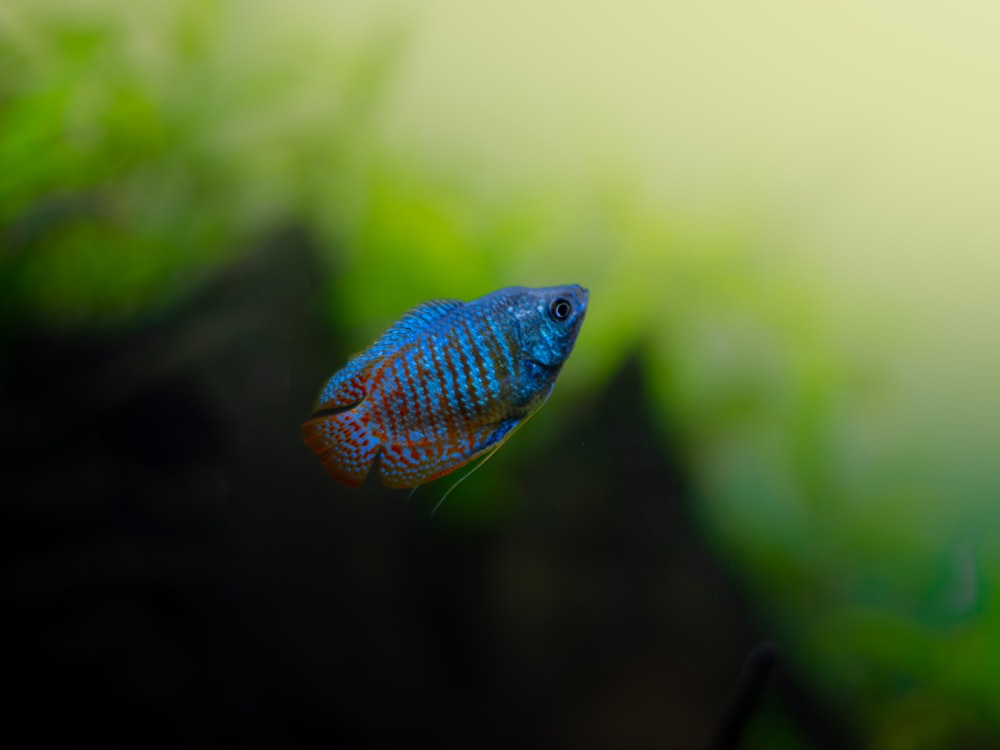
pixel 447 383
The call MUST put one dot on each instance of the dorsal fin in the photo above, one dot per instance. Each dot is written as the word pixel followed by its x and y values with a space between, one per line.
pixel 346 387
pixel 412 323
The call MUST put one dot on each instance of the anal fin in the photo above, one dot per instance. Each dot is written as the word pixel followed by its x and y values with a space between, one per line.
pixel 409 465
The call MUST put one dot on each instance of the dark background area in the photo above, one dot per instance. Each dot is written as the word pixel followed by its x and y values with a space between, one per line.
pixel 181 571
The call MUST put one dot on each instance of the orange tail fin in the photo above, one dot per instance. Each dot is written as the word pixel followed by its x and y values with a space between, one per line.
pixel 344 444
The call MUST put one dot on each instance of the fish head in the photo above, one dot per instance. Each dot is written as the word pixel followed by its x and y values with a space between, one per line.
pixel 548 321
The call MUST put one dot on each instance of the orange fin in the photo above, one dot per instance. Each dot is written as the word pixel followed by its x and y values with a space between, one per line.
pixel 344 444
pixel 404 466
pixel 346 389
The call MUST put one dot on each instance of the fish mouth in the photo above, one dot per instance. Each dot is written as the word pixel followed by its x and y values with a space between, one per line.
pixel 584 295
pixel 580 295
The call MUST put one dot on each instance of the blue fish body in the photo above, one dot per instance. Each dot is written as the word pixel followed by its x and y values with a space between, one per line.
pixel 447 383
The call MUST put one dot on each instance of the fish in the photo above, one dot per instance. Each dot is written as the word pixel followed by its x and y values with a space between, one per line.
pixel 448 383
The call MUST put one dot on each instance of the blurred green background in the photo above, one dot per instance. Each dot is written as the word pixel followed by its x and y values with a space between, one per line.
pixel 785 214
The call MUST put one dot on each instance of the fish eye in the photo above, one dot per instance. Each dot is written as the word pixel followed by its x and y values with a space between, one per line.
pixel 560 309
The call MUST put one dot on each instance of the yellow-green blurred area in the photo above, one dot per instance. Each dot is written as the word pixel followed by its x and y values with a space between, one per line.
pixel 784 212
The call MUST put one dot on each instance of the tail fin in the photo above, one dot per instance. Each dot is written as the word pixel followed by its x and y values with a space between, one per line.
pixel 344 444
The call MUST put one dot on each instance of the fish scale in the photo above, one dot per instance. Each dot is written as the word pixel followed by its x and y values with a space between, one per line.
pixel 447 383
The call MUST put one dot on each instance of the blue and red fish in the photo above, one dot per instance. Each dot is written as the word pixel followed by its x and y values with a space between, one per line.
pixel 447 383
